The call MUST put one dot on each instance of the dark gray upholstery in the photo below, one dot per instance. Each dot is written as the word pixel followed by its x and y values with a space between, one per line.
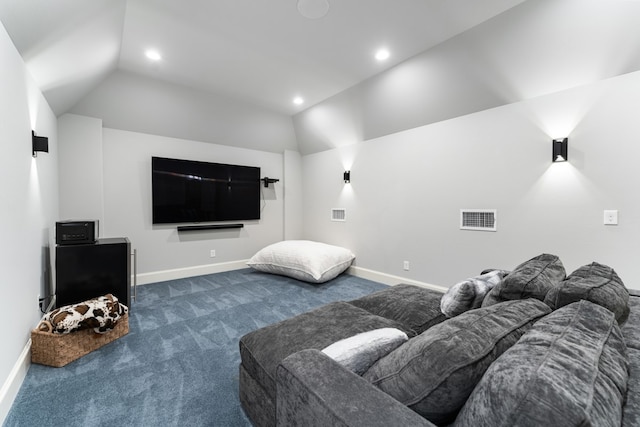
pixel 314 390
pixel 322 392
pixel 470 293
pixel 262 350
pixel 435 372
pixel 597 283
pixel 531 279
pixel 631 412
pixel 569 369
pixel 414 306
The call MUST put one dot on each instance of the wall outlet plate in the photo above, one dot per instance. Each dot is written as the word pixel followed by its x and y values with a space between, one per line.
pixel 611 217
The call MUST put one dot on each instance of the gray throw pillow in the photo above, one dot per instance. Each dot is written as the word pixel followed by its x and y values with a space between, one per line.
pixel 469 294
pixel 435 372
pixel 596 283
pixel 531 279
pixel 569 369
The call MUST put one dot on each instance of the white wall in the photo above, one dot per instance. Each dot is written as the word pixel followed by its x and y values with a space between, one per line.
pixel 29 207
pixel 292 195
pixel 80 162
pixel 123 160
pixel 127 193
pixel 407 188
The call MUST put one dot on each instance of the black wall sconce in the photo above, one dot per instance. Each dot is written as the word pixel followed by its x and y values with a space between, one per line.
pixel 39 143
pixel 347 177
pixel 560 150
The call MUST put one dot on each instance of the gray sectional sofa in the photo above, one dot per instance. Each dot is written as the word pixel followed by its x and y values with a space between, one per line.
pixel 533 355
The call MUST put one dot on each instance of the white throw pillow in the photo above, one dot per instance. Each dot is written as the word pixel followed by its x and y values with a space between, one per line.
pixel 303 260
pixel 359 352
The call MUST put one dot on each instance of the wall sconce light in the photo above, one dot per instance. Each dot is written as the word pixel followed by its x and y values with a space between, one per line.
pixel 560 150
pixel 347 177
pixel 39 143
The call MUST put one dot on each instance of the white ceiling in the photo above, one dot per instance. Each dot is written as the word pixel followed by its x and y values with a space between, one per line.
pixel 263 52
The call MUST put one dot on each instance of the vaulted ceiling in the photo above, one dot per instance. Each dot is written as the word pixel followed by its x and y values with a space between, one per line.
pixel 262 52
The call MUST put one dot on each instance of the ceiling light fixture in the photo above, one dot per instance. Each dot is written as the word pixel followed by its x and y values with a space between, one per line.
pixel 382 54
pixel 298 100
pixel 313 9
pixel 153 55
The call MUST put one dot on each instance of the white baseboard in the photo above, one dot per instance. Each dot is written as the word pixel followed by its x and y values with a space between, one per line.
pixel 182 273
pixel 11 386
pixel 389 279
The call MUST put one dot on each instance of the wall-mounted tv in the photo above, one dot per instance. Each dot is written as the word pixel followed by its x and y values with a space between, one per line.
pixel 194 191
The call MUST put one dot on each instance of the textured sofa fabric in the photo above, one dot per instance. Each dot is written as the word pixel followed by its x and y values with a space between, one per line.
pixel 416 307
pixel 262 350
pixel 569 369
pixel 531 279
pixel 314 391
pixel 469 294
pixel 596 283
pixel 435 373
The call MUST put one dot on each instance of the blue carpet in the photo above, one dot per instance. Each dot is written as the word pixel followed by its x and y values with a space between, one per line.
pixel 178 366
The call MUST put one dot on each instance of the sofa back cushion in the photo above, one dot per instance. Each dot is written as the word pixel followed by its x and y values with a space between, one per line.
pixel 596 283
pixel 569 369
pixel 435 372
pixel 531 279
pixel 415 307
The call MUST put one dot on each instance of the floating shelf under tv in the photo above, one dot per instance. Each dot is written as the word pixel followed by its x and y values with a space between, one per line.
pixel 208 227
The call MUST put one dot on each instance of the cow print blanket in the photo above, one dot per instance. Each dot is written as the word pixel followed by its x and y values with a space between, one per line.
pixel 100 313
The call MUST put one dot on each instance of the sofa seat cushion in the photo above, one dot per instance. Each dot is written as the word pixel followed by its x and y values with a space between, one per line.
pixel 416 307
pixel 262 350
pixel 435 372
pixel 596 283
pixel 569 369
pixel 531 279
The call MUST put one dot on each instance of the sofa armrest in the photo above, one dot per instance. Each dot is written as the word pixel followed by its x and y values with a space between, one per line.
pixel 314 390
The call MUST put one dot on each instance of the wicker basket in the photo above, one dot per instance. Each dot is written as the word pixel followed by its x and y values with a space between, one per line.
pixel 58 350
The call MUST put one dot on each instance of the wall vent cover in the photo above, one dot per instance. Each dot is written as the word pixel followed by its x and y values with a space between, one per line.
pixel 478 219
pixel 338 214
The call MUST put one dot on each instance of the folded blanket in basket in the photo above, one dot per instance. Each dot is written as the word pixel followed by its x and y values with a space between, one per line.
pixel 100 313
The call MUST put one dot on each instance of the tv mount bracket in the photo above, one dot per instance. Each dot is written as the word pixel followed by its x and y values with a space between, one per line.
pixel 268 181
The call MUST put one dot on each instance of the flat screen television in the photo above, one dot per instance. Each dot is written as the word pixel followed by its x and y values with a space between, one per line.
pixel 193 191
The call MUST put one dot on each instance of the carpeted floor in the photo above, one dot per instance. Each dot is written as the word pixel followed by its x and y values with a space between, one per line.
pixel 178 366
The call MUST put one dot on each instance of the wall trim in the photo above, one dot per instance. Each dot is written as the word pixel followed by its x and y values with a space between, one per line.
pixel 390 279
pixel 183 273
pixel 11 386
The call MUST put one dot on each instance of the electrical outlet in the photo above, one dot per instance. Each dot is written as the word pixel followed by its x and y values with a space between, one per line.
pixel 610 217
pixel 405 265
pixel 212 254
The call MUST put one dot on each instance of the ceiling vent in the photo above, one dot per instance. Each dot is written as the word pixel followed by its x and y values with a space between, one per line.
pixel 478 219
pixel 338 214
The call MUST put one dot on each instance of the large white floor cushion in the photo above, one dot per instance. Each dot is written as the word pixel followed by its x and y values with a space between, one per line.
pixel 305 260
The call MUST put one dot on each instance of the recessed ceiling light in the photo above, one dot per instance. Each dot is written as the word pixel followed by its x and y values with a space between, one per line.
pixel 382 54
pixel 153 55
pixel 298 100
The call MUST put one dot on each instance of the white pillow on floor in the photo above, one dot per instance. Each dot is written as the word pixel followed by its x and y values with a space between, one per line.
pixel 304 260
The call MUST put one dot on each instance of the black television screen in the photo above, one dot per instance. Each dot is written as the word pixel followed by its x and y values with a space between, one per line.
pixel 193 191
